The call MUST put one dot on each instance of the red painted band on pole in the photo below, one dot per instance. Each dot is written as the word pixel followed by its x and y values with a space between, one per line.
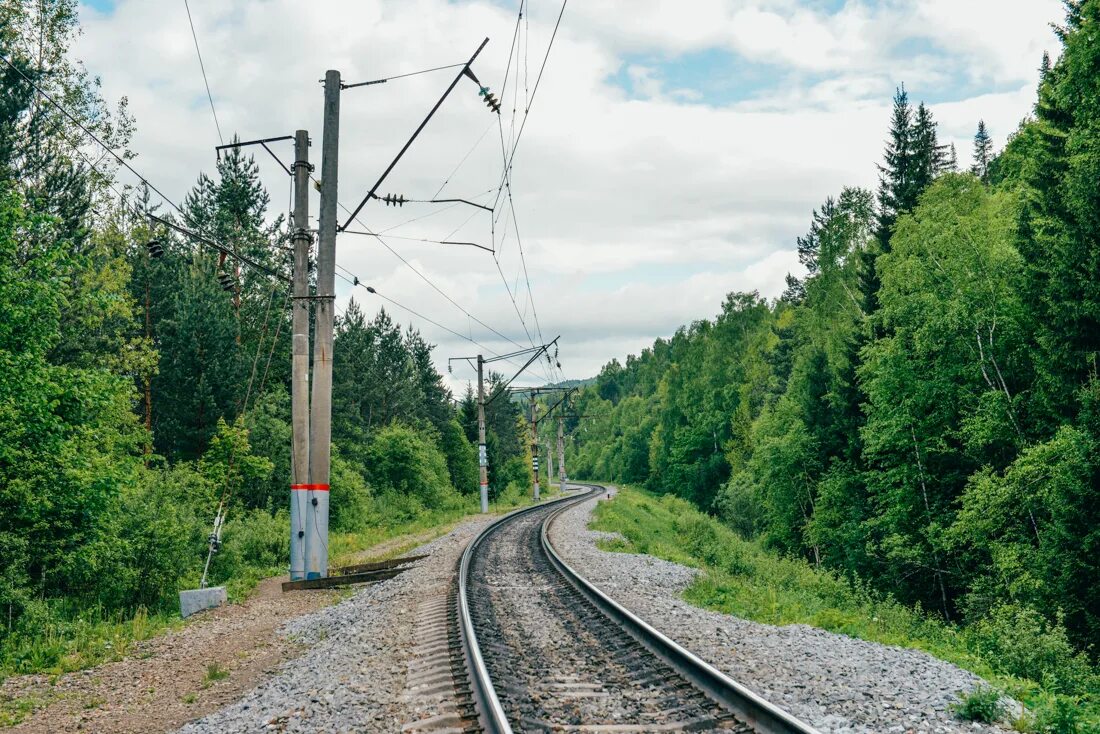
pixel 314 487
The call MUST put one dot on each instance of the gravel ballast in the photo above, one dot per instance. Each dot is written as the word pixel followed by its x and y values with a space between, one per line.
pixel 354 675
pixel 833 682
pixel 557 662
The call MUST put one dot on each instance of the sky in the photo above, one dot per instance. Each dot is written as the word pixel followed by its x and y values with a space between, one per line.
pixel 671 151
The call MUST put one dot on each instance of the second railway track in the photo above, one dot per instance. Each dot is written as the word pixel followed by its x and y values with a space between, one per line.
pixel 547 651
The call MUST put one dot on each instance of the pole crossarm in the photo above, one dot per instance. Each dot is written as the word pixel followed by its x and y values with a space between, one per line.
pixel 537 352
pixel 405 148
pixel 262 142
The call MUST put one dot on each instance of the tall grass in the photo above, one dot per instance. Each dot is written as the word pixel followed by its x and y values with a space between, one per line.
pixel 1018 652
pixel 67 638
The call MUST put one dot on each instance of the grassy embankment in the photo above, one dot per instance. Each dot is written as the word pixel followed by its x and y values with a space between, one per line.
pixel 1024 658
pixel 89 639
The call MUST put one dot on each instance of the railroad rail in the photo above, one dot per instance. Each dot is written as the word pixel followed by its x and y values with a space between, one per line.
pixel 547 650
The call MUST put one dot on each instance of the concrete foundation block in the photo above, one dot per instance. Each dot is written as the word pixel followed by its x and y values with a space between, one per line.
pixel 198 600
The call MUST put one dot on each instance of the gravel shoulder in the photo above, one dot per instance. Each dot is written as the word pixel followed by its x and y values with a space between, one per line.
pixel 162 682
pixel 355 674
pixel 834 682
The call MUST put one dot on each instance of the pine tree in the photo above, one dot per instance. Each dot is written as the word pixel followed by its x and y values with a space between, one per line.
pixel 983 152
pixel 795 292
pixel 952 163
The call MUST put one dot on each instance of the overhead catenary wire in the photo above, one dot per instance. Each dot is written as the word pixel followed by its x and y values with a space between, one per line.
pixel 431 113
pixel 354 280
pixel 538 353
pixel 383 80
pixel 202 67
pixel 531 100
pixel 508 156
pixel 469 152
pixel 421 239
pixel 429 281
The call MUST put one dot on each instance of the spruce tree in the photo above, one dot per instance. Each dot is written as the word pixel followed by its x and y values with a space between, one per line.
pixel 983 152
pixel 952 163
pixel 896 174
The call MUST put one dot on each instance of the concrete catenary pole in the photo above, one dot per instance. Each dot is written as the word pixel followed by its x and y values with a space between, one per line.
pixel 561 451
pixel 549 461
pixel 482 452
pixel 534 448
pixel 324 319
pixel 299 366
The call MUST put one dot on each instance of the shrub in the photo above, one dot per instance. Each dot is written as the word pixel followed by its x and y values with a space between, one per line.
pixel 515 470
pixel 1019 641
pixel 404 461
pixel 349 496
pixel 461 457
pixel 1059 715
pixel 980 704
pixel 254 541
pixel 738 505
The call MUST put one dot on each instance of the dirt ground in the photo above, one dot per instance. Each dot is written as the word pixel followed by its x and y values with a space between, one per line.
pixel 164 682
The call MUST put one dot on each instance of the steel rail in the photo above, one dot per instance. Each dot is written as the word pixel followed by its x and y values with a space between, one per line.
pixel 763 716
pixel 490 712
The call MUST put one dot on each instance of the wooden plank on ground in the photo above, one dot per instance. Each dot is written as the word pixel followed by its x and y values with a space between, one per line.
pixel 328 582
pixel 378 565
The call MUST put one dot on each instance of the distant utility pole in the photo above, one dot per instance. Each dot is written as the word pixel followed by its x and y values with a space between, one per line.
pixel 549 461
pixel 534 393
pixel 324 321
pixel 482 451
pixel 534 447
pixel 299 385
pixel 561 450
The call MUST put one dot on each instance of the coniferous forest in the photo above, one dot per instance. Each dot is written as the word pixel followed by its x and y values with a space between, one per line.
pixel 141 386
pixel 921 411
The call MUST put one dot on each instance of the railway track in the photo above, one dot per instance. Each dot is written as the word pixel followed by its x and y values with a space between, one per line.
pixel 547 651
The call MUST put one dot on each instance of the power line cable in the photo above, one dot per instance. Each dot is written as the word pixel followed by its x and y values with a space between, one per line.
pixel 202 68
pixel 511 50
pixel 427 280
pixel 401 76
pixel 93 136
pixel 355 281
pixel 534 91
pixel 450 175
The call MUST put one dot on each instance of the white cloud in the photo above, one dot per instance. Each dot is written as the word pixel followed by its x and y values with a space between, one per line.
pixel 610 192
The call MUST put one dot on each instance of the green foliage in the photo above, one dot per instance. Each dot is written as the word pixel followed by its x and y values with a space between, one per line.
pixel 406 467
pixel 214 673
pixel 980 704
pixel 137 395
pixel 1015 647
pixel 254 540
pixel 920 413
pixel 1019 641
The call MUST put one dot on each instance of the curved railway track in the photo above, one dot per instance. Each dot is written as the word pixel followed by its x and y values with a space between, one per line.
pixel 545 650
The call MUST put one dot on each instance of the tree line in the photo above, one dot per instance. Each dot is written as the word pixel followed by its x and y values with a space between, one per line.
pixel 144 377
pixel 921 410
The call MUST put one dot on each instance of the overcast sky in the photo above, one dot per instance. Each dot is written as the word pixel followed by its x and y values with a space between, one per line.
pixel 673 152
